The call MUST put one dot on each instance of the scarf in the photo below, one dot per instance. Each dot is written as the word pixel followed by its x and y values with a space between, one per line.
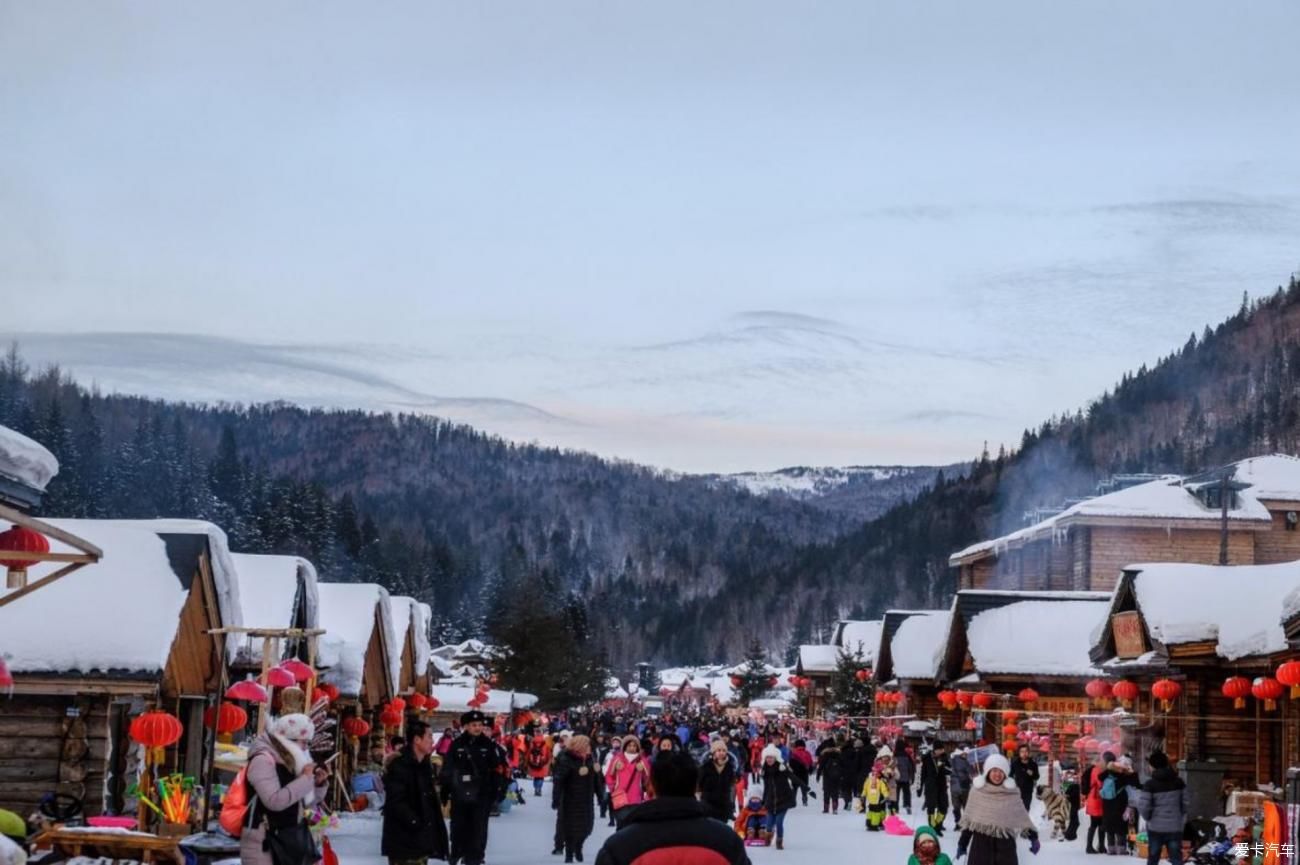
pixel 996 811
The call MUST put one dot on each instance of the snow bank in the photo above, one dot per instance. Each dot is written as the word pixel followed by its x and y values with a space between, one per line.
pixel 1239 607
pixel 347 613
pixel 455 698
pixel 1045 638
pixel 25 460
pixel 861 636
pixel 919 643
pixel 819 659
pixel 269 589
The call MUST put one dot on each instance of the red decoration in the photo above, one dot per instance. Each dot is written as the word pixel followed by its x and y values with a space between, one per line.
pixel 419 701
pixel 1045 745
pixel 156 730
pixel 736 681
pixel 1010 714
pixel 1237 689
pixel 1081 743
pixel 278 677
pixel 433 703
pixel 1269 690
pixel 1010 729
pixel 862 675
pixel 1166 691
pixel 329 691
pixel 1099 690
pixel 20 539
pixel 970 724
pixel 964 699
pixel 398 703
pixel 1028 696
pixel 391 717
pixel 948 699
pixel 1125 691
pixel 356 728
pixel 227 721
pixel 6 677
pixel 1289 674
pixel 1009 746
pixel 771 682
pixel 300 671
pixel 982 700
pixel 249 691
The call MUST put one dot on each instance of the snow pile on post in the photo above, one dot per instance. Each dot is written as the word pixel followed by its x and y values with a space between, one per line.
pixel 25 460
pixel 1045 638
pixel 1239 607
pixel 919 643
pixel 402 609
pixel 269 588
pixel 861 636
pixel 347 614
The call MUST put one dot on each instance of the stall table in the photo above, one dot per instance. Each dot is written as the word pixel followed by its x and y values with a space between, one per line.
pixel 110 844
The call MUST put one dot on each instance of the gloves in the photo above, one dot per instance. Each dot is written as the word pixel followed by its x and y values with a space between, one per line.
pixel 961 851
pixel 1034 846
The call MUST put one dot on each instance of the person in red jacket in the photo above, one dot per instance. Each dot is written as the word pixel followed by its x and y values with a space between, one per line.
pixel 1092 803
pixel 538 760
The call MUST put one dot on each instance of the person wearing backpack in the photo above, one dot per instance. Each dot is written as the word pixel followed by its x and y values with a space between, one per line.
pixel 1115 782
pixel 413 830
pixel 279 781
pixel 1092 803
pixel 539 762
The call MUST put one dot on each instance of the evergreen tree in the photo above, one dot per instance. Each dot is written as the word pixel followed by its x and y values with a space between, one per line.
pixel 755 675
pixel 849 695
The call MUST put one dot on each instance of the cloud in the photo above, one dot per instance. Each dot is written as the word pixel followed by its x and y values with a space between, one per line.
pixel 944 415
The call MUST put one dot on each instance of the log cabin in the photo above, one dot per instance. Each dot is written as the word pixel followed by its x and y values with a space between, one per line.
pixel 276 593
pixel 1199 625
pixel 912 644
pixel 411 621
pixel 1084 546
pixel 359 651
pixel 859 639
pixel 93 649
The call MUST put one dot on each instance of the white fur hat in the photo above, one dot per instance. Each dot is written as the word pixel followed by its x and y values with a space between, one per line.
pixel 296 728
pixel 773 752
pixel 997 761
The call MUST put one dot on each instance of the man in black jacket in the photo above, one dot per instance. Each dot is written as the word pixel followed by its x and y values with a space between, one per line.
pixel 1024 771
pixel 413 827
pixel 673 819
pixel 474 778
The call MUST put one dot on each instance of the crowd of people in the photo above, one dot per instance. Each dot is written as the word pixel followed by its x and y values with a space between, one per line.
pixel 717 783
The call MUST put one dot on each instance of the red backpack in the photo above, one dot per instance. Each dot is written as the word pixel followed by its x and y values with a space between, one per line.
pixel 234 805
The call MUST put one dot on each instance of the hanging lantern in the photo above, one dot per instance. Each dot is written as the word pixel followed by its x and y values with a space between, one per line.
pixel 1289 674
pixel 771 682
pixel 1125 691
pixel 1071 728
pixel 862 675
pixel 330 692
pixel 1045 745
pixel 1099 690
pixel 1029 697
pixel 964 699
pixel 20 539
pixel 1009 746
pixel 433 703
pixel 1010 715
pixel 6 677
pixel 391 717
pixel 230 719
pixel 970 724
pixel 982 700
pixel 156 730
pixel 249 691
pixel 356 728
pixel 418 702
pixel 1166 691
pixel 1010 729
pixel 278 677
pixel 300 671
pixel 398 703
pixel 1237 689
pixel 1089 727
pixel 1081 744
pixel 948 699
pixel 1269 690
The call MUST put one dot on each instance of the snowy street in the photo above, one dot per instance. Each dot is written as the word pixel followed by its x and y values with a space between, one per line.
pixel 523 837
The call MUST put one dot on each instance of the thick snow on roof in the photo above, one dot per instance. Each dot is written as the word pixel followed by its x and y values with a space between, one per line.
pixel 1045 638
pixel 819 659
pixel 25 460
pixel 1276 476
pixel 423 622
pixel 403 611
pixel 347 613
pixel 455 698
pixel 918 645
pixel 118 614
pixel 1240 607
pixel 268 592
pixel 864 636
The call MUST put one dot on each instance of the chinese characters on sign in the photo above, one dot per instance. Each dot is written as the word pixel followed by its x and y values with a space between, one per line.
pixel 1130 642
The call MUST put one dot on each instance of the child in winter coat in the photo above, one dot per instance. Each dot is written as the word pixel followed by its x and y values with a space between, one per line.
pixel 875 795
pixel 538 759
pixel 925 848
pixel 752 819
pixel 889 772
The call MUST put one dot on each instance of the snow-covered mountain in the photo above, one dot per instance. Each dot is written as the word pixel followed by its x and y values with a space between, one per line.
pixel 862 491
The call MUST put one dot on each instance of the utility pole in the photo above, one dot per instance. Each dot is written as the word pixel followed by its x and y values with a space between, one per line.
pixel 1224 493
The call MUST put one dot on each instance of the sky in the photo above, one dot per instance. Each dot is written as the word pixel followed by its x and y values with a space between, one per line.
pixel 704 236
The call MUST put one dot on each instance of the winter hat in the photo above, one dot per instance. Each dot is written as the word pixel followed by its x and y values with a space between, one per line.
pixel 1158 760
pixel 773 752
pixel 1125 762
pixel 886 751
pixel 997 761
pixel 1107 757
pixel 296 728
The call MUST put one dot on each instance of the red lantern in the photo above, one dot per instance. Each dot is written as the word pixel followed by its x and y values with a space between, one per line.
pixel 1099 690
pixel 278 677
pixel 156 730
pixel 1009 746
pixel 417 701
pixel 1081 744
pixel 736 681
pixel 391 717
pixel 1125 691
pixel 1028 696
pixel 1236 689
pixel 249 691
pixel 433 703
pixel 330 692
pixel 1289 674
pixel 948 699
pixel 1010 729
pixel 398 703
pixel 227 721
pixel 862 675
pixel 771 682
pixel 982 700
pixel 300 671
pixel 970 724
pixel 1045 745
pixel 356 728
pixel 1269 690
pixel 1166 691
pixel 1010 715
pixel 20 539
pixel 6 677
pixel 964 699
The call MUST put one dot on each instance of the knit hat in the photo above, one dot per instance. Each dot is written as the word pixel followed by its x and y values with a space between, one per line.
pixel 997 761
pixel 296 728
pixel 773 752
pixel 885 751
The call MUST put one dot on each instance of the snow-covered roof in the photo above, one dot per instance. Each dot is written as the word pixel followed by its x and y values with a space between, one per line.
pixel 455 698
pixel 819 659
pixel 403 611
pixel 864 636
pixel 1240 607
pixel 347 613
pixel 119 614
pixel 25 460
pixel 919 643
pixel 441 666
pixel 1036 637
pixel 268 593
pixel 1275 477
pixel 423 623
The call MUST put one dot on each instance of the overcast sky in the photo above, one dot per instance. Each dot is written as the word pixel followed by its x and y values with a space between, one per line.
pixel 706 236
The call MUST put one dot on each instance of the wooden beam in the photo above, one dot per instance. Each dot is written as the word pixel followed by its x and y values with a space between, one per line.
pixel 50 686
pixel 269 632
pixel 10 597
pixel 19 518
pixel 7 556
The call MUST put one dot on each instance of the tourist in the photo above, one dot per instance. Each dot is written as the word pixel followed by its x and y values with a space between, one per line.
pixel 1092 805
pixel 778 794
pixel 576 788
pixel 875 795
pixel 925 848
pixel 605 747
pixel 959 782
pixel 889 772
pixel 717 783
pixel 628 780
pixel 474 778
pixel 994 817
pixel 1116 780
pixel 1024 771
pixel 282 780
pixel 830 771
pixel 801 764
pixel 673 820
pixel 539 762
pixel 905 774
pixel 413 831
pixel 1163 803
pixel 935 774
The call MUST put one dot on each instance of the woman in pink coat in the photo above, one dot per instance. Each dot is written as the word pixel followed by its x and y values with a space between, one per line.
pixel 282 780
pixel 628 779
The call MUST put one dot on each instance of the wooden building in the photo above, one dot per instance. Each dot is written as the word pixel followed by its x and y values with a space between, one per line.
pixel 359 653
pixel 1199 625
pixel 912 644
pixel 411 621
pixel 93 649
pixel 860 639
pixel 275 593
pixel 1171 519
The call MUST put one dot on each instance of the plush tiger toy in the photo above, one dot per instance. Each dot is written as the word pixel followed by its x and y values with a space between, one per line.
pixel 1056 807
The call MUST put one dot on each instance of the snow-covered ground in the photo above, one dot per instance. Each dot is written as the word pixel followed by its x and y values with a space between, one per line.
pixel 523 837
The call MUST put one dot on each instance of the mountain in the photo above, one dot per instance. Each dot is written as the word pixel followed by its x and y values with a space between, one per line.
pixel 860 492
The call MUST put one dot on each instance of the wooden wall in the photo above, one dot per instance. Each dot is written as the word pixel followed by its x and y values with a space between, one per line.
pixel 42 750
pixel 1249 742
pixel 1112 548
pixel 194 662
pixel 374 681
pixel 1278 544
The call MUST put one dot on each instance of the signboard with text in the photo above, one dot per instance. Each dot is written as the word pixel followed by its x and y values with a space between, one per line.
pixel 1130 641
